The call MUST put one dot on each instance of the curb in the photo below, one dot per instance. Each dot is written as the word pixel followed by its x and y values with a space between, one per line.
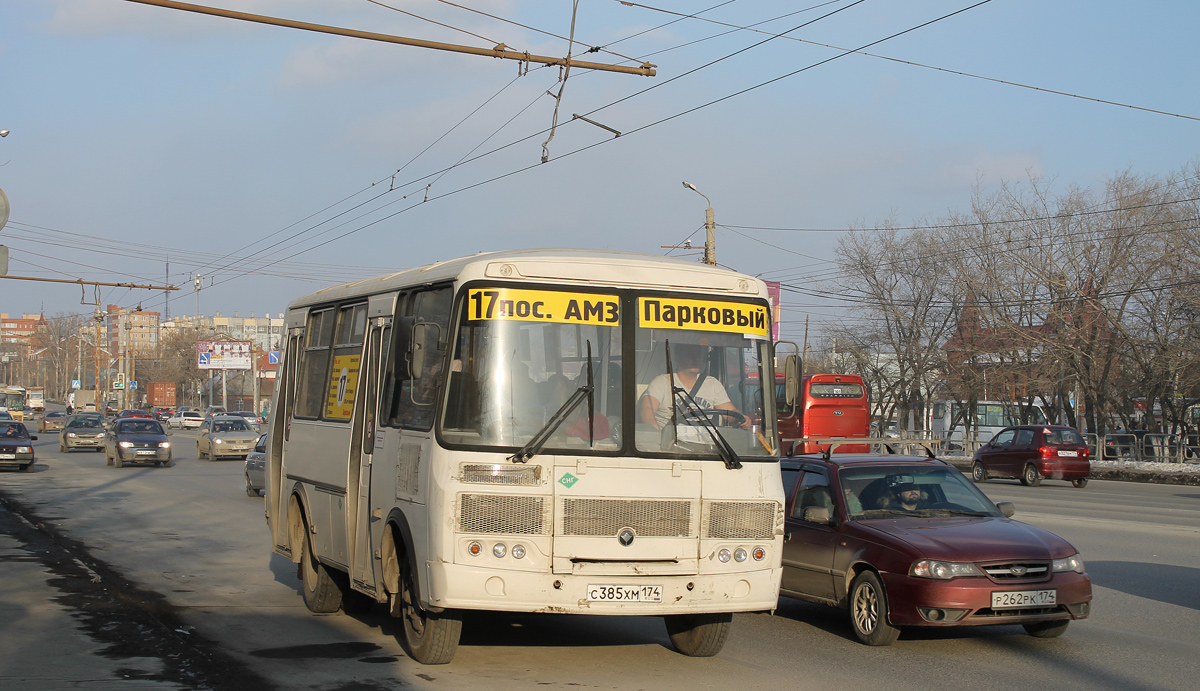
pixel 1187 477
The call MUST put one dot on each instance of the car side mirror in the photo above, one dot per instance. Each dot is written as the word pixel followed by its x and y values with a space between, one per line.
pixel 817 514
pixel 1007 508
pixel 33 437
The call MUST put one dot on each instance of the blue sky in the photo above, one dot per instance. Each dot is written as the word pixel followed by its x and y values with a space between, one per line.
pixel 142 134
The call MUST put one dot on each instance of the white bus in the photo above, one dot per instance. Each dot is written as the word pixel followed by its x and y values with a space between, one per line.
pixel 471 435
pixel 947 419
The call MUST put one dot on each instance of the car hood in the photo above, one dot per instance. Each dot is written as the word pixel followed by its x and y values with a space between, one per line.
pixel 972 538
pixel 14 443
pixel 85 430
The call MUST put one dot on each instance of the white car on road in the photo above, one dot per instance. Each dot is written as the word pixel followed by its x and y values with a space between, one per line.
pixel 185 419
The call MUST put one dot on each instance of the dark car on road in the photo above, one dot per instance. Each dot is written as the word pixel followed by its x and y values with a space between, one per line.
pixel 137 413
pixel 137 440
pixel 82 431
pixel 256 467
pixel 16 446
pixel 1032 453
pixel 903 541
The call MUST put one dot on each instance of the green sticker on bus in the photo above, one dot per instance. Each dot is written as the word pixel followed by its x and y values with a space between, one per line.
pixel 567 480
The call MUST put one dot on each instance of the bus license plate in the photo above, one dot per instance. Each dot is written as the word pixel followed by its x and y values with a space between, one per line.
pixel 1024 598
pixel 625 593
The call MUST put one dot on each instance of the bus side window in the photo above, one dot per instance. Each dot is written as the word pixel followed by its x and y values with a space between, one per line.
pixel 413 394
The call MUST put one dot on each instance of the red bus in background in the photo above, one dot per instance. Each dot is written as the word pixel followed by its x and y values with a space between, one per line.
pixel 829 405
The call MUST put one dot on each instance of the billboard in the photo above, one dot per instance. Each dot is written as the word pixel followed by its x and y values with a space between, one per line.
pixel 224 354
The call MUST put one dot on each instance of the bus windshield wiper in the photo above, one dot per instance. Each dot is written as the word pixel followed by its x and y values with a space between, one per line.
pixel 732 460
pixel 534 446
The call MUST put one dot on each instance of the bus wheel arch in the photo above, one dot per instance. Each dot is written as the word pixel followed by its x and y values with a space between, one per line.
pixel 430 636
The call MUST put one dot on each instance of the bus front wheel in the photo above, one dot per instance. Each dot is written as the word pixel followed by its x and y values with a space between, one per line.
pixel 431 638
pixel 321 593
pixel 699 635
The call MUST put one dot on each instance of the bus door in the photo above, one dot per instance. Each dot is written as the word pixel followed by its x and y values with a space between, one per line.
pixel 280 429
pixel 364 444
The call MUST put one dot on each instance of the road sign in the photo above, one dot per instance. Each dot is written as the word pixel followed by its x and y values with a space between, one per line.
pixel 204 359
pixel 273 357
pixel 133 386
pixel 75 384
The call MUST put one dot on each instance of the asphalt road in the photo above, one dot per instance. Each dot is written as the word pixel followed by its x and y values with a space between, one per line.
pixel 188 546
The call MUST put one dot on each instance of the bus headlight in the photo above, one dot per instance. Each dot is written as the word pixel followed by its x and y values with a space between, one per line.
pixel 499 550
pixel 518 551
pixel 723 556
pixel 739 555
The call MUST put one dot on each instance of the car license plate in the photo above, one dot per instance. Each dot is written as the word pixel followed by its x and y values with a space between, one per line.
pixel 624 593
pixel 146 452
pixel 8 456
pixel 1070 454
pixel 1016 599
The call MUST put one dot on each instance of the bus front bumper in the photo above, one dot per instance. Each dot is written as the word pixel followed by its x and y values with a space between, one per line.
pixel 524 591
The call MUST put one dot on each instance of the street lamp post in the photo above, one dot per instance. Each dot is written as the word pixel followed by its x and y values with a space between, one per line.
pixel 710 228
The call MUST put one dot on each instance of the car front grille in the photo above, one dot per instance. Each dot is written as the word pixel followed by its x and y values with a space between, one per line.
pixel 1018 571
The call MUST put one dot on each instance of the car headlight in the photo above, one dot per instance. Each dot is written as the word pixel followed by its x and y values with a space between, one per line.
pixel 218 441
pixel 164 445
pixel 125 444
pixel 70 435
pixel 1071 563
pixel 942 570
pixel 24 449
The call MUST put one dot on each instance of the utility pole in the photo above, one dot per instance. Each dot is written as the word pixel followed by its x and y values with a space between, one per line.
pixel 710 228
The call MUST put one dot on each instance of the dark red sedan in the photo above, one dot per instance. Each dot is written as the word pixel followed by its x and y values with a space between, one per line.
pixel 133 413
pixel 1033 452
pixel 902 541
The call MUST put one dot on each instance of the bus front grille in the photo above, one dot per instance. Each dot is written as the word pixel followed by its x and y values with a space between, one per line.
pixel 503 514
pixel 729 520
pixel 647 517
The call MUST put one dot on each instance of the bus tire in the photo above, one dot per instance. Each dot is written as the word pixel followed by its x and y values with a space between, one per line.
pixel 321 592
pixel 431 638
pixel 699 635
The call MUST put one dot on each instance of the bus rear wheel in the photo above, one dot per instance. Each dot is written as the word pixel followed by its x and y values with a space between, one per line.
pixel 699 635
pixel 431 638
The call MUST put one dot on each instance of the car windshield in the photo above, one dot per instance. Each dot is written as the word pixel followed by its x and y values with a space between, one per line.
pixel 907 490
pixel 139 427
pixel 14 430
pixel 85 422
pixel 1062 437
pixel 231 426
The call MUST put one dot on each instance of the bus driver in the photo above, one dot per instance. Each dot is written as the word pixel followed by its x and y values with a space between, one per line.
pixel 688 360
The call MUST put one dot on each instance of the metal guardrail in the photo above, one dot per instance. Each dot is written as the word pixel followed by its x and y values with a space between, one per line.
pixel 1151 448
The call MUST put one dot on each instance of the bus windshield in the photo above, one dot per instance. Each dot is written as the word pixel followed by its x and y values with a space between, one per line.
pixel 520 355
pixel 711 400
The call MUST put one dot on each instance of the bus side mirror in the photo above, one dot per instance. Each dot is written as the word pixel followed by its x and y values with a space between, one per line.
pixel 791 379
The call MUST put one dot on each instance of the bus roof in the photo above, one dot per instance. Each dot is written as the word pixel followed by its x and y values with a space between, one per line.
pixel 569 266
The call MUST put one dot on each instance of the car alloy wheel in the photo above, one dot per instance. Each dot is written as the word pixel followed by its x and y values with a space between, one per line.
pixel 868 611
pixel 1031 477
